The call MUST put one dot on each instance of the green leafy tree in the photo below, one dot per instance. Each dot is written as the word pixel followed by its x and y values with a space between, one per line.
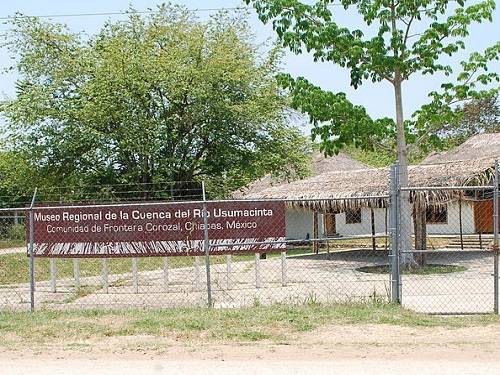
pixel 158 98
pixel 471 118
pixel 399 40
pixel 16 179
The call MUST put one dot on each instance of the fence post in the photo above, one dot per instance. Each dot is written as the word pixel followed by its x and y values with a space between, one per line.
pixel 206 245
pixel 53 275
pixel 135 275
pixel 196 273
pixel 105 284
pixel 283 268
pixel 76 272
pixel 257 270
pixel 394 231
pixel 32 254
pixel 495 238
pixel 165 272
pixel 228 271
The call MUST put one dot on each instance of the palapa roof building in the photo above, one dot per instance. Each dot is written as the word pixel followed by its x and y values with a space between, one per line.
pixel 476 147
pixel 470 164
pixel 319 165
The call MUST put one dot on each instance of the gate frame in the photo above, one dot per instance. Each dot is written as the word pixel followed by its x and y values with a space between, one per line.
pixel 394 255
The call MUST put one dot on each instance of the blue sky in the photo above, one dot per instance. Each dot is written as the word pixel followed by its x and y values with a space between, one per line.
pixel 377 98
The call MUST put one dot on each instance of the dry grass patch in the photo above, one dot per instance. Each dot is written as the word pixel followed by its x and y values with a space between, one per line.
pixel 277 323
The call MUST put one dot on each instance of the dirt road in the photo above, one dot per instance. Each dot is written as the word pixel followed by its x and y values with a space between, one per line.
pixel 261 367
pixel 336 349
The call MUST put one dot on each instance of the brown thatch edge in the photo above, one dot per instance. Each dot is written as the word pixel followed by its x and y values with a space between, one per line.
pixel 335 191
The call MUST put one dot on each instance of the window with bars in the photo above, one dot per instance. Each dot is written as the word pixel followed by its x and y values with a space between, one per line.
pixel 437 215
pixel 353 216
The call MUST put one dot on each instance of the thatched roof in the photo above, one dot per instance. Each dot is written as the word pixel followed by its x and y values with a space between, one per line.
pixel 341 162
pixel 336 190
pixel 478 146
pixel 319 164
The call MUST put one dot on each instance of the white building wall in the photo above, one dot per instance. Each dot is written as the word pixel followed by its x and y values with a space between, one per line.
pixel 299 224
pixel 453 223
pixel 451 227
pixel 363 228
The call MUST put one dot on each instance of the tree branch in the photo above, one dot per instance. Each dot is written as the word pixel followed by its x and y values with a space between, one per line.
pixel 363 59
pixel 408 26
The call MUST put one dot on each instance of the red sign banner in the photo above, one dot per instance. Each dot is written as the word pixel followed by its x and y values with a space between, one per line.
pixel 159 229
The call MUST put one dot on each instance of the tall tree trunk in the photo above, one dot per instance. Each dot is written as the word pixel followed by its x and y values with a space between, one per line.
pixel 420 225
pixel 405 229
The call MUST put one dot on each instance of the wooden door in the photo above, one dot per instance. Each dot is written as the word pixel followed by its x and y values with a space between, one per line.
pixel 483 216
pixel 330 226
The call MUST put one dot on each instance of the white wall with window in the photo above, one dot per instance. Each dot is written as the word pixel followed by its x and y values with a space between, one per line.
pixel 442 220
pixel 358 221
pixel 446 220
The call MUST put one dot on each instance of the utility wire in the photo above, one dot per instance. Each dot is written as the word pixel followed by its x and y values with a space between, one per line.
pixel 121 13
pixel 117 13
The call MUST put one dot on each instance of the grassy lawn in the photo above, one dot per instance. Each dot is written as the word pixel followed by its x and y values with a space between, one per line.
pixel 380 243
pixel 275 322
pixel 14 267
pixel 340 243
pixel 7 244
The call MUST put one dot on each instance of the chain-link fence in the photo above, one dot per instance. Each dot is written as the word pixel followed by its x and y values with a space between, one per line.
pixel 321 257
pixel 14 275
pixel 433 249
pixel 449 265
pixel 448 262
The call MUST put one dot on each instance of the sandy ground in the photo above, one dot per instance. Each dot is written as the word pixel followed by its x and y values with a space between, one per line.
pixel 260 367
pixel 358 349
pixel 13 250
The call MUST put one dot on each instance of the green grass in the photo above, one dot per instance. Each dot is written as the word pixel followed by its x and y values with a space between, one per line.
pixel 7 244
pixel 428 269
pixel 380 243
pixel 275 322
pixel 354 243
pixel 14 267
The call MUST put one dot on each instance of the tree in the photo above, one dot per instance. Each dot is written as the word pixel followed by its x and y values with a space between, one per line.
pixel 471 118
pixel 16 175
pixel 157 98
pixel 400 39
